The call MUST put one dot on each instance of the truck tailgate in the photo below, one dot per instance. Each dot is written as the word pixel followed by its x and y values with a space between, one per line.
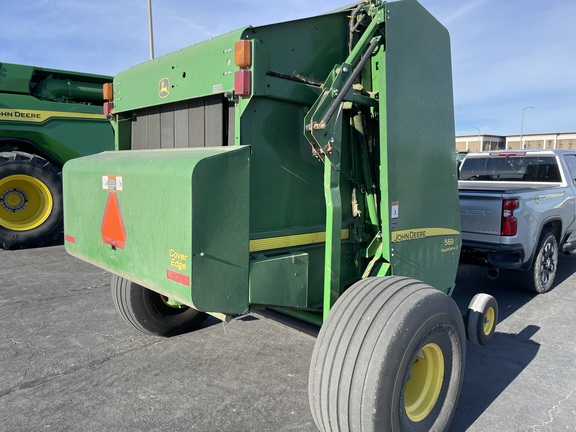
pixel 480 214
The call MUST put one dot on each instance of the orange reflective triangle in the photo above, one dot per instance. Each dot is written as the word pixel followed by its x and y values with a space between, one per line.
pixel 112 228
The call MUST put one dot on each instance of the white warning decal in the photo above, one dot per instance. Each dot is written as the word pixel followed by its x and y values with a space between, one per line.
pixel 112 183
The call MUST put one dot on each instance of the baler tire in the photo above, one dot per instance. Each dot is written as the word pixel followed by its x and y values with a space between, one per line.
pixel 148 312
pixel 31 212
pixel 481 319
pixel 543 271
pixel 386 342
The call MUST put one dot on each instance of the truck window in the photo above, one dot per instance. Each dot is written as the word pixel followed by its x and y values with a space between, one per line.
pixel 571 162
pixel 511 168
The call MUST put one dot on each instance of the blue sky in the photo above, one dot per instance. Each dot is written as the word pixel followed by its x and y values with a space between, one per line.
pixel 506 54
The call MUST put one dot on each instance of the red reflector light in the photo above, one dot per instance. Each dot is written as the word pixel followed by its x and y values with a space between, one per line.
pixel 178 277
pixel 509 222
pixel 107 108
pixel 242 82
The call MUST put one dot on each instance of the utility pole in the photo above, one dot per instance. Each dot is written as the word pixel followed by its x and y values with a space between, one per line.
pixel 150 33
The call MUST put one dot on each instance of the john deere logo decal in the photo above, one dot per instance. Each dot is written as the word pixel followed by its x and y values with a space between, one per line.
pixel 164 87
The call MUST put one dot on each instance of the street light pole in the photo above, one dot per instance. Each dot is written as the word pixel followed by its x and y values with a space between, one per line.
pixel 479 143
pixel 150 34
pixel 522 126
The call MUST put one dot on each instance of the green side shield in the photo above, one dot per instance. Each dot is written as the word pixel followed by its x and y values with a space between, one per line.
pixel 420 213
pixel 173 221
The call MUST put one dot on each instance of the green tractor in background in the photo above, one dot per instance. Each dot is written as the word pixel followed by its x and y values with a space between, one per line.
pixel 47 117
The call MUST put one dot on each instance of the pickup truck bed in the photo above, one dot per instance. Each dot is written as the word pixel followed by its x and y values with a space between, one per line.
pixel 517 210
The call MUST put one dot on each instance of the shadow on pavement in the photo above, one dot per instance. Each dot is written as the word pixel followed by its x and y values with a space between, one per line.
pixel 491 369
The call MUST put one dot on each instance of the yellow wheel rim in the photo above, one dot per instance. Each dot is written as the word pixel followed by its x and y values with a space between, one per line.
pixel 170 303
pixel 25 202
pixel 425 382
pixel 489 319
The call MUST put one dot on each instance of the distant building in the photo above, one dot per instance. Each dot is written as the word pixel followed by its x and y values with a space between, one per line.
pixel 560 140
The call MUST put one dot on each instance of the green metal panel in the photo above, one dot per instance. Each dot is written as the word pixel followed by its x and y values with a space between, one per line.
pixel 58 112
pixel 185 218
pixel 220 204
pixel 199 70
pixel 286 181
pixel 293 47
pixel 15 78
pixel 419 197
pixel 61 131
pixel 23 79
pixel 280 280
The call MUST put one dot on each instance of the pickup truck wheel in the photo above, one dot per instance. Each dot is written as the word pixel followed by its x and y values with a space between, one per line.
pixel 390 357
pixel 150 312
pixel 542 274
pixel 30 200
pixel 481 319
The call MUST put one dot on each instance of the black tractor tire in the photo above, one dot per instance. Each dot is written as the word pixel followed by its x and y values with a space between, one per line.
pixel 390 357
pixel 481 319
pixel 149 312
pixel 31 212
pixel 543 271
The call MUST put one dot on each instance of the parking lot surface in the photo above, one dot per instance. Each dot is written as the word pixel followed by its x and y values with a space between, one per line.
pixel 68 362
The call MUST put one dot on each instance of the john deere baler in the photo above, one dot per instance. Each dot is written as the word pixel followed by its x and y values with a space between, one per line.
pixel 306 166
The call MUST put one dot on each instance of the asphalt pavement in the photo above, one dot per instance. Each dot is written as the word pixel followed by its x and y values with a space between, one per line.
pixel 68 362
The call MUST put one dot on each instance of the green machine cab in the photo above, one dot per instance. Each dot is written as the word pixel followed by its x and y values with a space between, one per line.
pixel 305 166
pixel 47 117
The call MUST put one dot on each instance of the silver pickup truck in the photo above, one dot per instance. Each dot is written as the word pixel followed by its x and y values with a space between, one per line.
pixel 517 210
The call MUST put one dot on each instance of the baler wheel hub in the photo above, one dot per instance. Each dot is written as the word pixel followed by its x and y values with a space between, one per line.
pixel 425 382
pixel 489 321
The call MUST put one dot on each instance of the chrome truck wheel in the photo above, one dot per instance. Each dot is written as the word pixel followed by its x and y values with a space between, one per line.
pixel 150 312
pixel 30 200
pixel 390 357
pixel 541 276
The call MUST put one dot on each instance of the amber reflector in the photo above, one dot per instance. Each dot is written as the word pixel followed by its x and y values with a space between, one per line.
pixel 107 91
pixel 242 53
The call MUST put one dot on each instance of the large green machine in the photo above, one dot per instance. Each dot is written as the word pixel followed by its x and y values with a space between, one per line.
pixel 47 117
pixel 308 167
